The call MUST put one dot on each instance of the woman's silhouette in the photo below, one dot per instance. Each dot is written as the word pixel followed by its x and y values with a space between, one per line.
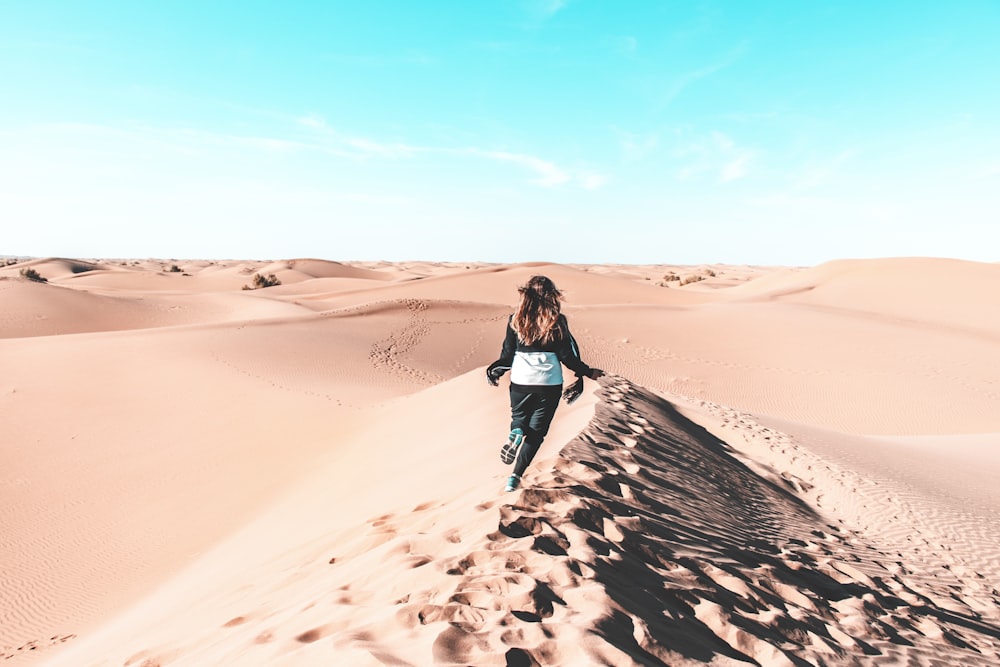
pixel 537 344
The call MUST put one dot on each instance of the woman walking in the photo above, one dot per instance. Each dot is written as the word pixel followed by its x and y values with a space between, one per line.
pixel 537 344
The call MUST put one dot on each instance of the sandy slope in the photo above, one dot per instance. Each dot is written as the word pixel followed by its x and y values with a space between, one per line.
pixel 308 473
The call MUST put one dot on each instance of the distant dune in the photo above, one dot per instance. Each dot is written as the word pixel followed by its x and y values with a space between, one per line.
pixel 784 466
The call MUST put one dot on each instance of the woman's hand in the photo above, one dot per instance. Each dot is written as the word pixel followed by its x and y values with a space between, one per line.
pixel 596 373
pixel 572 392
pixel 493 376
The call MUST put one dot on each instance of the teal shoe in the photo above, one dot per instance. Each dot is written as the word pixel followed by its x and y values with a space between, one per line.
pixel 513 482
pixel 509 451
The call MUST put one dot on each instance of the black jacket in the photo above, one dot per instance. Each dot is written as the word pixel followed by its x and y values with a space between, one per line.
pixel 537 366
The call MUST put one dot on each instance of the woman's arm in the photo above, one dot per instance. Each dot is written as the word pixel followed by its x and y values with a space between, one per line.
pixel 496 370
pixel 575 363
pixel 569 354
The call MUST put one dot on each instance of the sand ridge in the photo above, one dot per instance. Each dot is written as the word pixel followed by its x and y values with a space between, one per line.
pixel 644 541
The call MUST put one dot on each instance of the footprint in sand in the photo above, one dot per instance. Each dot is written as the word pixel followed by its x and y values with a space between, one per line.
pixel 313 635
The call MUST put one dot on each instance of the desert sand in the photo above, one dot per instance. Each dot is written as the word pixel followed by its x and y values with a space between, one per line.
pixel 783 466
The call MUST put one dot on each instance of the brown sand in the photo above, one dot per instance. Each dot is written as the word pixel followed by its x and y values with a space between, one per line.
pixel 784 467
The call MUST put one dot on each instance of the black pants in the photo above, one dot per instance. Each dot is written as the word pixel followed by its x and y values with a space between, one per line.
pixel 532 412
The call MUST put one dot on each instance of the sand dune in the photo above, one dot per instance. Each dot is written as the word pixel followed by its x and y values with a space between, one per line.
pixel 835 368
pixel 58 267
pixel 944 292
pixel 493 285
pixel 644 541
pixel 787 467
pixel 190 276
pixel 35 309
pixel 319 268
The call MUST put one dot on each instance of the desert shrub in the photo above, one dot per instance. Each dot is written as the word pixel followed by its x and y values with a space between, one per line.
pixel 31 274
pixel 671 277
pixel 260 282
pixel 174 268
pixel 693 278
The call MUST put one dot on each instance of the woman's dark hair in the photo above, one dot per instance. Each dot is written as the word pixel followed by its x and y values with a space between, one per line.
pixel 536 318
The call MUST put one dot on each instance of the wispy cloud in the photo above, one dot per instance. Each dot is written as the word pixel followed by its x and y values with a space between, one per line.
pixel 538 12
pixel 389 150
pixel 546 173
pixel 635 145
pixel 173 140
pixel 818 173
pixel 591 180
pixel 735 170
pixel 716 154
pixel 784 200
pixel 723 141
pixel 316 136
pixel 358 146
pixel 680 83
pixel 673 90
pixel 313 121
pixel 550 7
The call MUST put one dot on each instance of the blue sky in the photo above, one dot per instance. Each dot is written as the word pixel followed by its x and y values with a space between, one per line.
pixel 563 130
